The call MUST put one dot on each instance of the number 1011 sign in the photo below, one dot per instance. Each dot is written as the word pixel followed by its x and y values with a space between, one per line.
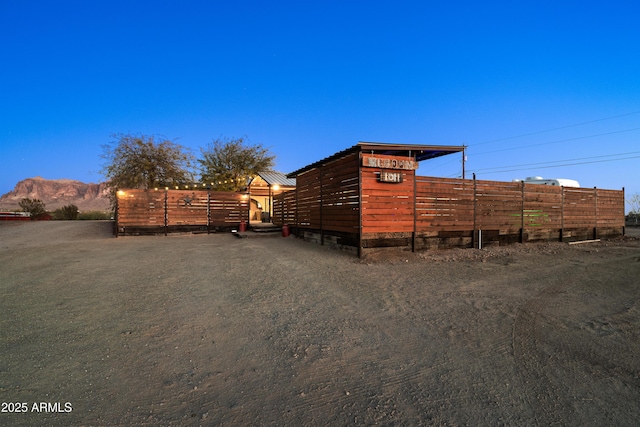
pixel 388 176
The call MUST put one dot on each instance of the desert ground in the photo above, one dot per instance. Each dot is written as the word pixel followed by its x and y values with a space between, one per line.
pixel 189 330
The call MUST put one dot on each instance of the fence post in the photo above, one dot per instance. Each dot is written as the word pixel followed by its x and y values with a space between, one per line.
pixel 297 218
pixel 473 237
pixel 415 212
pixel 562 215
pixel 320 170
pixel 624 219
pixel 522 217
pixel 208 212
pixel 595 205
pixel 360 248
pixel 248 200
pixel 116 230
pixel 166 211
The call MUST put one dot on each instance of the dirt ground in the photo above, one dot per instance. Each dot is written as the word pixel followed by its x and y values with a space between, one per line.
pixel 217 330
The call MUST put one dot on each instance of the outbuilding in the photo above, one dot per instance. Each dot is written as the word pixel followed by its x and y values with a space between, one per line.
pixel 262 188
pixel 369 196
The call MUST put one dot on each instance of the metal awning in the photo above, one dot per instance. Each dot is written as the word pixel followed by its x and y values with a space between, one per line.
pixel 275 178
pixel 421 152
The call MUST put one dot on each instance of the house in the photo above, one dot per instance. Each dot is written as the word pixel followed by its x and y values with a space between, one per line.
pixel 262 188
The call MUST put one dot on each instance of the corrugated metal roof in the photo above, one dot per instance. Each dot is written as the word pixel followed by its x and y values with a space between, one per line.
pixel 422 152
pixel 277 178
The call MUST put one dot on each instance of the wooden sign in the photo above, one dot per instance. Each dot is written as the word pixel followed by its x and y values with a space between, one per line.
pixel 372 161
pixel 388 176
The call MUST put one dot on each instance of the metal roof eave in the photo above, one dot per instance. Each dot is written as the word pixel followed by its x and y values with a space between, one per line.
pixel 275 178
pixel 422 152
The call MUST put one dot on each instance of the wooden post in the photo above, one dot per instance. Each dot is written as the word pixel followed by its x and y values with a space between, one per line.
pixel 270 203
pixel 297 219
pixel 249 206
pixel 320 170
pixel 522 217
pixel 208 212
pixel 166 211
pixel 360 252
pixel 624 222
pixel 595 205
pixel 415 213
pixel 562 215
pixel 281 203
pixel 473 237
pixel 248 200
pixel 115 216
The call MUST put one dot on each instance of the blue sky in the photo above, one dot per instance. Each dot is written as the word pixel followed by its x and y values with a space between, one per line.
pixel 525 85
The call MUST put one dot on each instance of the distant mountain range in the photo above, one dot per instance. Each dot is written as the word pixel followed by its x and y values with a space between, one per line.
pixel 56 193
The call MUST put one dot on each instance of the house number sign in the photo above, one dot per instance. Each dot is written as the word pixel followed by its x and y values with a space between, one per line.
pixel 386 163
pixel 389 176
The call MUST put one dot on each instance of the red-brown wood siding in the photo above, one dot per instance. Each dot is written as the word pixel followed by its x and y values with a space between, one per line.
pixel 159 208
pixel 325 198
pixel 387 206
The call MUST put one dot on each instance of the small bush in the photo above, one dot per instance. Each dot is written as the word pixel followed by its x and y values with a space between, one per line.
pixel 68 212
pixel 95 215
pixel 34 206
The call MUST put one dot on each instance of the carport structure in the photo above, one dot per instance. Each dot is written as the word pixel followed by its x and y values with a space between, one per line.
pixel 369 196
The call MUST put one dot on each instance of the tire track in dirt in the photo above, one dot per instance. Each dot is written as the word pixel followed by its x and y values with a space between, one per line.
pixel 382 383
pixel 538 391
pixel 546 366
pixel 580 332
pixel 358 385
pixel 369 388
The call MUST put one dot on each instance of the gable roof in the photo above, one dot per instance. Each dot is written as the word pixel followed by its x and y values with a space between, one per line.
pixel 277 178
pixel 421 152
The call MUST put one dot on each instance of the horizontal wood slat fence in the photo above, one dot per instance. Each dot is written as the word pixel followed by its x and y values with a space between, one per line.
pixel 426 212
pixel 164 211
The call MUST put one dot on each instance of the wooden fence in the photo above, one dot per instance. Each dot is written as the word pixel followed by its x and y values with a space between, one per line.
pixel 426 212
pixel 513 211
pixel 324 200
pixel 164 211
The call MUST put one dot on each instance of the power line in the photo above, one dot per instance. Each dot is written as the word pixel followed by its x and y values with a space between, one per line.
pixel 444 164
pixel 559 141
pixel 557 128
pixel 562 165
pixel 561 161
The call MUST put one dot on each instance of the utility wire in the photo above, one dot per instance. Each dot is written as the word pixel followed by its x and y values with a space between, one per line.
pixel 444 164
pixel 561 161
pixel 565 164
pixel 555 142
pixel 559 141
pixel 557 128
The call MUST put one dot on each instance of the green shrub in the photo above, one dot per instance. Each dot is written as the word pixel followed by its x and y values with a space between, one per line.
pixel 95 215
pixel 34 206
pixel 68 212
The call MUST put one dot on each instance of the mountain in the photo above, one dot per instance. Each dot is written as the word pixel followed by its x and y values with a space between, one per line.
pixel 56 193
